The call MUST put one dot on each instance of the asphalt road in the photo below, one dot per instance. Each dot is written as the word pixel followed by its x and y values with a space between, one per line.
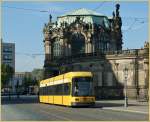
pixel 28 108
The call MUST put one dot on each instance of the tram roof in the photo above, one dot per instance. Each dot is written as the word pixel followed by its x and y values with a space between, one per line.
pixel 68 75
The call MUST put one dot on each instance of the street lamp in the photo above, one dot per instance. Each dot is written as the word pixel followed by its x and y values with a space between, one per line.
pixel 125 87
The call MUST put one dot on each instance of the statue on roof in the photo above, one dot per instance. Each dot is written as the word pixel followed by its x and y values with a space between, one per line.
pixel 146 45
pixel 113 14
pixel 116 27
pixel 117 10
pixel 118 18
pixel 50 18
pixel 56 23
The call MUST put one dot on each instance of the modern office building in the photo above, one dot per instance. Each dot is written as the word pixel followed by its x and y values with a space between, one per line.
pixel 19 77
pixel 8 54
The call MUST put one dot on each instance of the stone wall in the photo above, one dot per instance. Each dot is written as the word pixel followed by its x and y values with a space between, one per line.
pixel 108 74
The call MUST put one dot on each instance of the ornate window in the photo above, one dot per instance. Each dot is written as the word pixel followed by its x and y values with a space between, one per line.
pixel 57 50
pixel 77 44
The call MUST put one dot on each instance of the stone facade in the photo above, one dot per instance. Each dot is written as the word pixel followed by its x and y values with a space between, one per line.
pixel 87 41
pixel 108 72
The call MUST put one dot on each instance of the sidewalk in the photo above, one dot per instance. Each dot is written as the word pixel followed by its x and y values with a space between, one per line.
pixel 118 105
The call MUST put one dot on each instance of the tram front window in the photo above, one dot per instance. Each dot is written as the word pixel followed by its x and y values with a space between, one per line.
pixel 82 86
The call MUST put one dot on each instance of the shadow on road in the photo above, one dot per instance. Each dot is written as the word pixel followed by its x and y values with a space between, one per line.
pixel 102 104
pixel 34 99
pixel 21 100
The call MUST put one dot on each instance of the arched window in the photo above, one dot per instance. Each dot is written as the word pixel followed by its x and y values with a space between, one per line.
pixel 57 50
pixel 77 43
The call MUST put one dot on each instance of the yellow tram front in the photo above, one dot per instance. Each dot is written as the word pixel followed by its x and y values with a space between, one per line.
pixel 69 89
pixel 82 91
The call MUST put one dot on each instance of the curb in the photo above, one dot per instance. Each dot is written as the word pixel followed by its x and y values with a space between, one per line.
pixel 142 112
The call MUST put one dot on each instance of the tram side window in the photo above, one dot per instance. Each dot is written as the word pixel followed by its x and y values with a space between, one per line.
pixel 53 89
pixel 67 89
pixel 60 86
pixel 50 90
pixel 46 90
pixel 43 90
pixel 58 89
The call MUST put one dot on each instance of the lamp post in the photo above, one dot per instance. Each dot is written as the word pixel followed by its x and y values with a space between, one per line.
pixel 116 66
pixel 125 87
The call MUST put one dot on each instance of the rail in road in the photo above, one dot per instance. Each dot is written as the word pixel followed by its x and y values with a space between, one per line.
pixel 28 108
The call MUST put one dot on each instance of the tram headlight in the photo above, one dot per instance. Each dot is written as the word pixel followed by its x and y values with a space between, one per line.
pixel 76 99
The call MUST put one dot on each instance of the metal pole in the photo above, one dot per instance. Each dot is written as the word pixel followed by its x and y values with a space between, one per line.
pixel 9 89
pixel 126 98
pixel 9 93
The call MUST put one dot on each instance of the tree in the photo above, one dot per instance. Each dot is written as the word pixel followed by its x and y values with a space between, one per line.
pixel 37 74
pixel 35 82
pixel 17 89
pixel 6 74
pixel 27 81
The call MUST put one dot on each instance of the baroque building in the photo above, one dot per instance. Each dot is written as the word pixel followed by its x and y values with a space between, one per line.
pixel 84 40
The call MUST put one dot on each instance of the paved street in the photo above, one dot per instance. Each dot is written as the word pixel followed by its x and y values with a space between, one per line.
pixel 28 108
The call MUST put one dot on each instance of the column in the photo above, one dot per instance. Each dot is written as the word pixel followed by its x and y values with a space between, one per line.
pixel 69 49
pixel 89 46
pixel 135 85
pixel 146 69
pixel 86 47
pixel 48 52
pixel 93 47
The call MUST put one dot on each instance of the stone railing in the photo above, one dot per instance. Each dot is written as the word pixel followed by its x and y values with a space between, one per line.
pixel 130 52
pixel 127 52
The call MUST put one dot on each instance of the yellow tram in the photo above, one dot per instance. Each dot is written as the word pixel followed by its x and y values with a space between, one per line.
pixel 69 89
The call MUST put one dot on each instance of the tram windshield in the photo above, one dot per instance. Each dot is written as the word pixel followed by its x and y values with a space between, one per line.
pixel 82 86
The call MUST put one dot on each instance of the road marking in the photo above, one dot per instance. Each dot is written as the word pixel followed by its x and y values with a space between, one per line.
pixel 60 117
pixel 142 112
pixel 49 113
pixel 62 109
pixel 58 109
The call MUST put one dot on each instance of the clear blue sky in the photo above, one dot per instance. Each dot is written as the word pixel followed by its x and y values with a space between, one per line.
pixel 24 27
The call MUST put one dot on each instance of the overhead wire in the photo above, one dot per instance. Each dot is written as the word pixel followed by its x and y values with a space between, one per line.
pixel 30 54
pixel 38 10
pixel 33 59
pixel 28 9
pixel 99 6
pixel 136 21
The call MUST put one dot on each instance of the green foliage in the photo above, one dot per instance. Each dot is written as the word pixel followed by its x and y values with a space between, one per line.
pixel 62 69
pixel 37 74
pixel 6 73
pixel 29 81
